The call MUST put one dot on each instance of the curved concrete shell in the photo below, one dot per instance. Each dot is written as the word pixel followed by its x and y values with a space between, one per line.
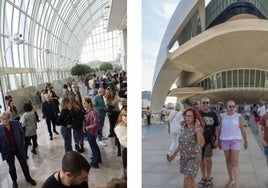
pixel 239 43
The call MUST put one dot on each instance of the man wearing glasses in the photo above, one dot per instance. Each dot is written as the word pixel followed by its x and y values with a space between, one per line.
pixel 211 135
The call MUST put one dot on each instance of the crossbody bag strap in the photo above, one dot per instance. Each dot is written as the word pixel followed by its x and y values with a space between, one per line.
pixel 173 116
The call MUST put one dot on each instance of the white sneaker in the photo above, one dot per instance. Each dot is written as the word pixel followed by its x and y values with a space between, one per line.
pixel 102 143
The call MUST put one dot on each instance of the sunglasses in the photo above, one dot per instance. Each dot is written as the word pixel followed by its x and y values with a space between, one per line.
pixel 231 106
pixel 188 116
pixel 205 102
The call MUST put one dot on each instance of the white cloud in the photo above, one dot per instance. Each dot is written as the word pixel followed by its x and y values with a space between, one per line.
pixel 147 75
pixel 156 15
pixel 150 51
pixel 167 9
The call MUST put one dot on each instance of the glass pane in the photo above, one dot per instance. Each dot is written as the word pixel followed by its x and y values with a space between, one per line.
pixel 12 81
pixel 247 78
pixel 235 80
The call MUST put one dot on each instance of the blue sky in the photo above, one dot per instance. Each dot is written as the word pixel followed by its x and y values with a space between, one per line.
pixel 155 18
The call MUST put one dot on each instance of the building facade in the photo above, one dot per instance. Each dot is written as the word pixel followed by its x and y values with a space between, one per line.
pixel 215 50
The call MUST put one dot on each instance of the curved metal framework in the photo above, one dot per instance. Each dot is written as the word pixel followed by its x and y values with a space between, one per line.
pixel 41 40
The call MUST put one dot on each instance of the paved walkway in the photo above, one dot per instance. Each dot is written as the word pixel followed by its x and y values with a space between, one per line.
pixel 157 172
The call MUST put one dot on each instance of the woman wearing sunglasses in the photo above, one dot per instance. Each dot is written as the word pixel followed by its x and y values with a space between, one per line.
pixel 231 135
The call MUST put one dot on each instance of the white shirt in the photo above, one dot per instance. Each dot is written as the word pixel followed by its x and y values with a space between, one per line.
pixel 261 111
pixel 163 111
pixel 230 129
pixel 247 109
pixel 175 119
pixel 121 133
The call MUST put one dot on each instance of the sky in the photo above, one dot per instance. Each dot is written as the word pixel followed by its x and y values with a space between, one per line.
pixel 155 18
pixel 156 15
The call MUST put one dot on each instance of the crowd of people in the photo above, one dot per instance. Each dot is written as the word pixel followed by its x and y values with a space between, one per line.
pixel 77 117
pixel 198 130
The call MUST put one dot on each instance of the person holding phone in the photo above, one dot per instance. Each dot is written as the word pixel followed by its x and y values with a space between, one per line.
pixel 190 146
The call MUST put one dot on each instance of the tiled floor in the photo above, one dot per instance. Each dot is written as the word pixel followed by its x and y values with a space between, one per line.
pixel 49 155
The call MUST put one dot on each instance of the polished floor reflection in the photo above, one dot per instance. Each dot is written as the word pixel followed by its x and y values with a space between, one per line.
pixel 49 155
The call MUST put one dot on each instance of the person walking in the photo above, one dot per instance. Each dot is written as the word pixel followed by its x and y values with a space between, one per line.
pixel 175 126
pixel 50 113
pixel 148 113
pixel 163 113
pixel 247 113
pixel 231 135
pixel 263 133
pixel 190 143
pixel 28 122
pixel 211 135
pixel 11 145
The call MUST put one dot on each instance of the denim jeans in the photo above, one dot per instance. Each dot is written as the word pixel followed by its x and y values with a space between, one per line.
pixel 96 156
pixel 67 137
pixel 78 136
pixel 266 153
pixel 101 124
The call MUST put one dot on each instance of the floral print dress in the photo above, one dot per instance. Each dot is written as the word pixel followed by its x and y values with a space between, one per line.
pixel 190 152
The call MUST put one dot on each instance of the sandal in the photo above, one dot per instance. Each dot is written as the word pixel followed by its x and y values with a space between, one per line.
pixel 230 184
pixel 202 182
pixel 209 182
pixel 168 158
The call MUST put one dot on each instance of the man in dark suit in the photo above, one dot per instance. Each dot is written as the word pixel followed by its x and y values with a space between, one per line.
pixel 50 113
pixel 11 145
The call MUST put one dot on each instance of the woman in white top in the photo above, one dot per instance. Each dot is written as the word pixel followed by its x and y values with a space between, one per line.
pixel 231 135
pixel 174 126
pixel 121 133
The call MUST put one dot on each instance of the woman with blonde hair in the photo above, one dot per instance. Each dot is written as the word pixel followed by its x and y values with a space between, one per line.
pixel 232 133
pixel 112 101
pixel 121 134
